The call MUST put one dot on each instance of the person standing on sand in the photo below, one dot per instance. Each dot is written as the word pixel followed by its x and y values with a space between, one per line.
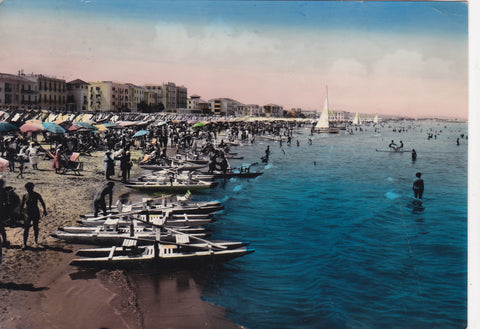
pixel 110 165
pixel 418 186
pixel 33 155
pixel 30 202
pixel 99 199
pixel 3 213
pixel 56 162
pixel 124 165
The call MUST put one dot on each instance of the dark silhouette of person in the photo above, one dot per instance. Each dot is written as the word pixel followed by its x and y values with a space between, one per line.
pixel 110 165
pixel 418 186
pixel 224 165
pixel 124 165
pixel 30 202
pixel 267 154
pixel 393 145
pixel 99 200
pixel 414 155
pixel 3 212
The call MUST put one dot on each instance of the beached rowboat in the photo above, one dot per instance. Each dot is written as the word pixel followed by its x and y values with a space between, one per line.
pixel 110 238
pixel 174 187
pixel 159 255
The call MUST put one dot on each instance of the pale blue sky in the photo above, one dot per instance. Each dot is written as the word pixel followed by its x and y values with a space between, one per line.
pixel 377 57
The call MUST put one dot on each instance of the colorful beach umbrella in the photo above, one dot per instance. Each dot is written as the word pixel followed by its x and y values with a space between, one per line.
pixel 7 126
pixel 198 125
pixel 109 124
pixel 53 127
pixel 32 127
pixel 86 125
pixel 141 132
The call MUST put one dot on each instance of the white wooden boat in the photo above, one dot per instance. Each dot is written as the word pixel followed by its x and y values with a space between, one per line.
pixel 161 255
pixel 110 238
pixel 175 186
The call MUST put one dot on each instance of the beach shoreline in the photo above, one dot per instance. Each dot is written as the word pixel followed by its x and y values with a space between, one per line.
pixel 38 289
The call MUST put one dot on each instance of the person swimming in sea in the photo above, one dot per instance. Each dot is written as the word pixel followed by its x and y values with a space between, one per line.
pixel 414 155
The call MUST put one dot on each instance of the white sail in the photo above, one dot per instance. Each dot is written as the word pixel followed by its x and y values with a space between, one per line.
pixel 356 120
pixel 375 120
pixel 323 122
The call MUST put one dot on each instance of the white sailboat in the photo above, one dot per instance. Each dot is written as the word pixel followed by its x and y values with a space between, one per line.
pixel 356 120
pixel 375 120
pixel 323 124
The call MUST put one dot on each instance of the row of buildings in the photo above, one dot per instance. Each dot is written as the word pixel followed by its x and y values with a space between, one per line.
pixel 42 92
pixel 38 91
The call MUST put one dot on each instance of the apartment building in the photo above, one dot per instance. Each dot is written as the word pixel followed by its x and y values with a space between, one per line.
pixel 77 96
pixel 254 110
pixel 223 106
pixel 197 105
pixel 17 92
pixel 157 89
pixel 135 96
pixel 273 110
pixel 150 97
pixel 108 96
pixel 52 92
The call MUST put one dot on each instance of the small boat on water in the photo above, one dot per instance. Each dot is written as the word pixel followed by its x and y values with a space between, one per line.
pixel 158 255
pixel 394 151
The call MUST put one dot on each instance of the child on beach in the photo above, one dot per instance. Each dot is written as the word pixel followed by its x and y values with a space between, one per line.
pixel 30 202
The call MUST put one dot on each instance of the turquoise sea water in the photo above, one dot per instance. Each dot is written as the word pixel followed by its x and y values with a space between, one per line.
pixel 339 243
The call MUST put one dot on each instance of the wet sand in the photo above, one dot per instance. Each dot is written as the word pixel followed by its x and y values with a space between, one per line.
pixel 38 289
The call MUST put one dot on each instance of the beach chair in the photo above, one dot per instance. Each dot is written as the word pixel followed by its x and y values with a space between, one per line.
pixel 72 163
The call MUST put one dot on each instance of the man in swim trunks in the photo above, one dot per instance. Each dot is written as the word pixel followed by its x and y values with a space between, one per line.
pixel 30 202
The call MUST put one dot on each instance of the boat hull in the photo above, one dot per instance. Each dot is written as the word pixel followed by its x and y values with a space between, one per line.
pixel 148 258
pixel 179 189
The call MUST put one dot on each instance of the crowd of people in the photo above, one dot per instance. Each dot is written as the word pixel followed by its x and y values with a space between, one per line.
pixel 60 151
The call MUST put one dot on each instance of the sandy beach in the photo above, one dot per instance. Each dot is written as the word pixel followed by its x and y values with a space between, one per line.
pixel 38 289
